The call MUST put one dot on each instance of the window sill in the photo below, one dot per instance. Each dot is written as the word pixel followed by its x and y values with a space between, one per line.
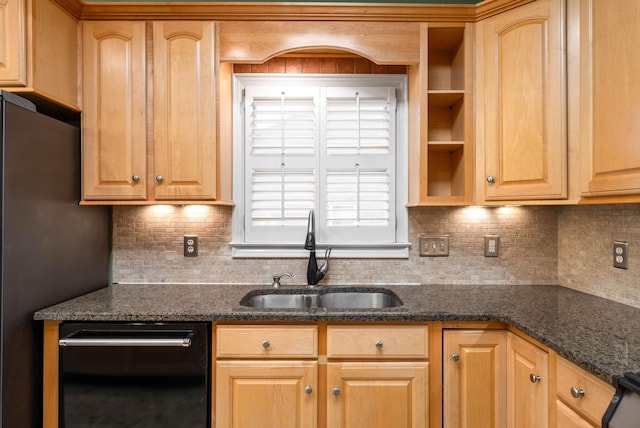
pixel 241 250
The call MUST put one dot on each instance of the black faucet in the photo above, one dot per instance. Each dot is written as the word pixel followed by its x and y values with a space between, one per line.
pixel 314 273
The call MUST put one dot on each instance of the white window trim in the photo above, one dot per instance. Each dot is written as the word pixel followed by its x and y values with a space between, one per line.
pixel 397 250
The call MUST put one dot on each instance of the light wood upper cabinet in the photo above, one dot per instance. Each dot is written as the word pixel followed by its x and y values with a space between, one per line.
pixel 185 76
pixel 39 50
pixel 521 110
pixel 151 146
pixel 114 139
pixel 473 380
pixel 527 384
pixel 610 91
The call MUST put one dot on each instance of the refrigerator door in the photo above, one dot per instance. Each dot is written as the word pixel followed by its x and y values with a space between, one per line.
pixel 52 248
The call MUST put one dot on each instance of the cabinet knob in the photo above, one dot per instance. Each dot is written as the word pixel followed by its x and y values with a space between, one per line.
pixel 491 179
pixel 336 391
pixel 135 178
pixel 577 392
pixel 308 390
pixel 379 344
pixel 266 344
pixel 534 378
pixel 159 178
pixel 455 357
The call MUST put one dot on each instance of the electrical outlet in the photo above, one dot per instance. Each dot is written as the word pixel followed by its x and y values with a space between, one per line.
pixel 434 246
pixel 191 245
pixel 621 254
pixel 491 244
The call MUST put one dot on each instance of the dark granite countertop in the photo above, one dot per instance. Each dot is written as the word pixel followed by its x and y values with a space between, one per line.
pixel 597 334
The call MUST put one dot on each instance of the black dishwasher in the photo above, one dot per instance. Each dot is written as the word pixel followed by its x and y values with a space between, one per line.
pixel 138 375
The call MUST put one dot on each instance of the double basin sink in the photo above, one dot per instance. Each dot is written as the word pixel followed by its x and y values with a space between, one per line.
pixel 322 298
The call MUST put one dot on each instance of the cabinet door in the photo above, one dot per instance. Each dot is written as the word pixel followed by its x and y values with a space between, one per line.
pixel 527 384
pixel 185 65
pixel 266 394
pixel 114 106
pixel 474 382
pixel 524 103
pixel 377 395
pixel 610 90
pixel 13 56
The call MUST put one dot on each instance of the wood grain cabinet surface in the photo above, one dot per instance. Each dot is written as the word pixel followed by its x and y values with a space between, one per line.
pixel 39 50
pixel 610 97
pixel 528 384
pixel 266 376
pixel 149 145
pixel 582 398
pixel 114 140
pixel 377 376
pixel 521 111
pixel 474 381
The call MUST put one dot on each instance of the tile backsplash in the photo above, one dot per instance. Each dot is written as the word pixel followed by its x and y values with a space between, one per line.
pixel 148 247
pixel 585 247
pixel 566 245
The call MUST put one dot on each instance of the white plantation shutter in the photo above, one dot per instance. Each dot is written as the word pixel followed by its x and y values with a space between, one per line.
pixel 358 165
pixel 321 145
pixel 281 138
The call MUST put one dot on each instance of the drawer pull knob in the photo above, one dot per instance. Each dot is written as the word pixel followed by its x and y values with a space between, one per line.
pixel 577 392
pixel 135 178
pixel 491 179
pixel 455 357
pixel 159 178
pixel 266 344
pixel 308 390
pixel 336 391
pixel 534 378
pixel 379 344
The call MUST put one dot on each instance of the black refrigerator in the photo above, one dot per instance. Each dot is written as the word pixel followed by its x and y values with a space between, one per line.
pixel 53 249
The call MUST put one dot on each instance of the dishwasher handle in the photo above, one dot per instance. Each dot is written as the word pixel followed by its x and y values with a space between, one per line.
pixel 176 338
pixel 183 342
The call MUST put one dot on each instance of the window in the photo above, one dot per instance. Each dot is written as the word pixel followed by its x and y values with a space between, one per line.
pixel 333 144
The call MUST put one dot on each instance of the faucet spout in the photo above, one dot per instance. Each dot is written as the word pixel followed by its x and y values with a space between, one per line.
pixel 310 241
pixel 314 273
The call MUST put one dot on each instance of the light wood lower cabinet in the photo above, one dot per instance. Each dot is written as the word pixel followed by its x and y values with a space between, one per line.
pixel 377 394
pixel 567 418
pixel 269 394
pixel 474 380
pixel 582 398
pixel 272 376
pixel 527 384
pixel 266 376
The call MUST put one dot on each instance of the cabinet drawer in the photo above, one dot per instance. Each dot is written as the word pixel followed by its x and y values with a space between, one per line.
pixel 597 393
pixel 258 341
pixel 377 342
pixel 567 418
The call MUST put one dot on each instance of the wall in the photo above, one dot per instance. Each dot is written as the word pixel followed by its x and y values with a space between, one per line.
pixel 585 240
pixel 147 247
pixel 570 246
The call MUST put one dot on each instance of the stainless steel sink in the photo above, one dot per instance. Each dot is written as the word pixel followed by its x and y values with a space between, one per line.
pixel 329 299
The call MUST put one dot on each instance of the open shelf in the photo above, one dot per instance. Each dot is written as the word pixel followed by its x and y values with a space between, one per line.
pixel 446 113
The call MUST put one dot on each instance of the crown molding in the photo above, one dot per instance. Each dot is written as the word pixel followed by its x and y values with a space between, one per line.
pixel 286 11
